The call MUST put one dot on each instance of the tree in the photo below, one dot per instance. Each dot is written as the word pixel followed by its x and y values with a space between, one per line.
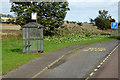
pixel 50 14
pixel 91 21
pixel 8 15
pixel 100 23
pixel 103 21
pixel 112 20
pixel 119 23
pixel 8 21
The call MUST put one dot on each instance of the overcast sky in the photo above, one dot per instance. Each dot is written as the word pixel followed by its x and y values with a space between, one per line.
pixel 80 10
pixel 119 11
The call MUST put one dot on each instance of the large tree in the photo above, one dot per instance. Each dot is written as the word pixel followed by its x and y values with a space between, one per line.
pixel 50 14
pixel 103 21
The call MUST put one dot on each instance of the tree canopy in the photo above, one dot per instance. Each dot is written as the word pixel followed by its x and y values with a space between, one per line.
pixel 103 21
pixel 50 14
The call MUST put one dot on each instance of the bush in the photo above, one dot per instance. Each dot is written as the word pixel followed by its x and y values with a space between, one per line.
pixel 73 22
pixel 63 26
pixel 119 24
pixel 79 23
pixel 102 24
pixel 67 22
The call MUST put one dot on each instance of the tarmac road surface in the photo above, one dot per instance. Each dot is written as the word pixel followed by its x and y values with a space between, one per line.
pixel 81 62
pixel 110 68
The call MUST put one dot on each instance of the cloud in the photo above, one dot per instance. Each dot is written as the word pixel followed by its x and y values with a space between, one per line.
pixel 4 1
pixel 93 0
pixel 91 3
pixel 5 7
pixel 82 10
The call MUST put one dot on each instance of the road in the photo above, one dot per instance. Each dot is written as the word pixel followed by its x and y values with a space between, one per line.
pixel 81 62
pixel 110 68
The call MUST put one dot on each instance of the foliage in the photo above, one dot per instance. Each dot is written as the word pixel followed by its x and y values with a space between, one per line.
pixel 74 38
pixel 91 21
pixel 73 22
pixel 8 15
pixel 67 22
pixel 12 21
pixel 103 21
pixel 119 24
pixel 50 14
pixel 79 23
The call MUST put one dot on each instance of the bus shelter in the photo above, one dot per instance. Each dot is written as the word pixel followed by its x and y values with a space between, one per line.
pixel 32 38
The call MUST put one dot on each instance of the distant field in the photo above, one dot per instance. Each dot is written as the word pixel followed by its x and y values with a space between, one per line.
pixel 10 27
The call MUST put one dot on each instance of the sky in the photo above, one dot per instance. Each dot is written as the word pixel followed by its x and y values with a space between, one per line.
pixel 80 10
pixel 119 12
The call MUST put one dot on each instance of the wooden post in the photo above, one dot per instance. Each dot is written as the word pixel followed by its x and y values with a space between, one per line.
pixel 36 19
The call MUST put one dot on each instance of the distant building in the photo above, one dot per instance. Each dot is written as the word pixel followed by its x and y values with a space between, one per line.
pixel 6 19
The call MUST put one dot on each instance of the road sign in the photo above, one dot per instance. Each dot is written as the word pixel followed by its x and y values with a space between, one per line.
pixel 34 16
pixel 114 25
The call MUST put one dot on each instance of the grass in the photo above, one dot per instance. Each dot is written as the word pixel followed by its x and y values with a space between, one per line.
pixel 53 44
pixel 12 56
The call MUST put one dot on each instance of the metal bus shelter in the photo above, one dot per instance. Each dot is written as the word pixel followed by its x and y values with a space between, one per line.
pixel 32 38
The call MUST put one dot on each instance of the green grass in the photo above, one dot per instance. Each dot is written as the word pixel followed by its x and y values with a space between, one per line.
pixel 12 56
pixel 53 44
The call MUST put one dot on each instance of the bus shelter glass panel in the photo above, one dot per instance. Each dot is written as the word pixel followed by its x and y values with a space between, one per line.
pixel 32 40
